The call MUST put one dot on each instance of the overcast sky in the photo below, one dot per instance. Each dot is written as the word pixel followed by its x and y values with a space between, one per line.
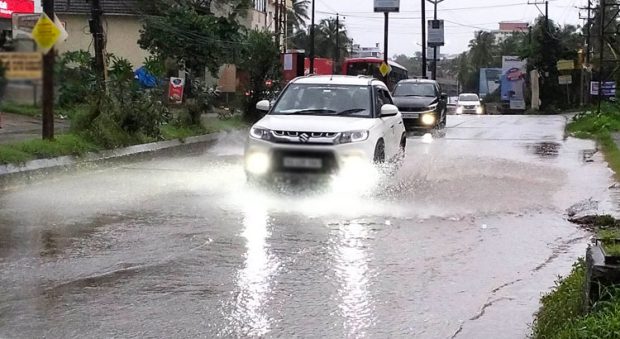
pixel 463 18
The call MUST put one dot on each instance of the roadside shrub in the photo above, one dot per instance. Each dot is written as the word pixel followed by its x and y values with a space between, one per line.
pixel 562 306
pixel 201 101
pixel 76 77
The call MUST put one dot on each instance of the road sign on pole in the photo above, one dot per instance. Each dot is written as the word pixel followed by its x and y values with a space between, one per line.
pixel 45 33
pixel 382 6
pixel 385 69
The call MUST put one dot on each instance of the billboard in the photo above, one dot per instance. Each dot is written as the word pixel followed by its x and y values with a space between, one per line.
pixel 513 81
pixel 8 7
pixel 435 33
pixel 489 81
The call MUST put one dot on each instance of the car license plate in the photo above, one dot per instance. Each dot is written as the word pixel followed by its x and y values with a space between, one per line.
pixel 411 115
pixel 311 163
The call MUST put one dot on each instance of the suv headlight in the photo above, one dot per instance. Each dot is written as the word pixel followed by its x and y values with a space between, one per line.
pixel 353 136
pixel 260 133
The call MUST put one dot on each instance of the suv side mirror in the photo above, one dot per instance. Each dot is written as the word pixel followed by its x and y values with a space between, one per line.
pixel 388 110
pixel 263 105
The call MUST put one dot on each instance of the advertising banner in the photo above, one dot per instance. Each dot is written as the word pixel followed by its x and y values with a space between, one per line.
pixel 8 7
pixel 175 90
pixel 513 81
pixel 22 66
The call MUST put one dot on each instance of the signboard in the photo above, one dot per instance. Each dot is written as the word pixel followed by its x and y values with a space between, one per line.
pixel 387 5
pixel 513 81
pixel 175 90
pixel 22 66
pixel 565 79
pixel 431 53
pixel 609 88
pixel 8 7
pixel 565 65
pixel 23 24
pixel 385 69
pixel 435 33
pixel 45 33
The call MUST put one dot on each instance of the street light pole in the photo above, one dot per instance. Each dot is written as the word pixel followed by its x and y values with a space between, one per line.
pixel 434 75
pixel 312 40
pixel 337 54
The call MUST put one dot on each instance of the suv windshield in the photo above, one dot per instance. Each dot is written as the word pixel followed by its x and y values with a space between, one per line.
pixel 411 89
pixel 468 97
pixel 331 100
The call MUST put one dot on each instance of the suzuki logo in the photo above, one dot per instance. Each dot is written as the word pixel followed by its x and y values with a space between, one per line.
pixel 304 137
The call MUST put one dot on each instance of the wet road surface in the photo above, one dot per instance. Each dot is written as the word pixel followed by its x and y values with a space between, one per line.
pixel 459 242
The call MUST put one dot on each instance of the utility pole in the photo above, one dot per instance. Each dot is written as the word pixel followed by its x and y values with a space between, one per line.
pixel 386 26
pixel 424 39
pixel 96 29
pixel 48 82
pixel 337 54
pixel 603 6
pixel 312 40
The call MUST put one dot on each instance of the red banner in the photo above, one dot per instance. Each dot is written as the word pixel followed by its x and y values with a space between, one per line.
pixel 175 91
pixel 8 7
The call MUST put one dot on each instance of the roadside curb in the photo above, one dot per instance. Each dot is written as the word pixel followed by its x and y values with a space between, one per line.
pixel 65 162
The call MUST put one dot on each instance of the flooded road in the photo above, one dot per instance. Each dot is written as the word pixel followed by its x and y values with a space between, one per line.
pixel 459 242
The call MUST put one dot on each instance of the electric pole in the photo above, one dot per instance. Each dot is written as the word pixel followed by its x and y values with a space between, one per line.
pixel 96 29
pixel 312 40
pixel 48 81
pixel 424 39
pixel 337 54
pixel 602 55
pixel 386 26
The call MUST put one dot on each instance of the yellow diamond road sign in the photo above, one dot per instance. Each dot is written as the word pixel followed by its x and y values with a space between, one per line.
pixel 385 69
pixel 46 33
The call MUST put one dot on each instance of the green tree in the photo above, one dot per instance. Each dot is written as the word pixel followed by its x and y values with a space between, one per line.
pixel 482 50
pixel 298 15
pixel 262 63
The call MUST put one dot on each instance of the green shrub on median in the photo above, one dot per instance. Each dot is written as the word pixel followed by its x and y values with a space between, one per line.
pixel 67 144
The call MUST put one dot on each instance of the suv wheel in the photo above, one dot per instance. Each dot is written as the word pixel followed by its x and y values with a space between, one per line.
pixel 379 156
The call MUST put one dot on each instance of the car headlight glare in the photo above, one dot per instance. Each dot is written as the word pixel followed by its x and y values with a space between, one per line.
pixel 428 119
pixel 257 163
pixel 459 109
pixel 353 136
pixel 479 110
pixel 260 133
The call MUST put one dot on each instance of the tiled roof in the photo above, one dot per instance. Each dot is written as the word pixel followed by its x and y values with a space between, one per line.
pixel 110 7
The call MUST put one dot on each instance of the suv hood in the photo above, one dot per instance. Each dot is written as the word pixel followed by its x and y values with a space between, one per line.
pixel 414 101
pixel 312 123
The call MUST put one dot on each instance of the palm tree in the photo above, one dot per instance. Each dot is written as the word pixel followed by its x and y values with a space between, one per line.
pixel 328 36
pixel 482 49
pixel 298 14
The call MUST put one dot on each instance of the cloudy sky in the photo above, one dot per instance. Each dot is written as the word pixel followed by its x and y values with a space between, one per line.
pixel 463 18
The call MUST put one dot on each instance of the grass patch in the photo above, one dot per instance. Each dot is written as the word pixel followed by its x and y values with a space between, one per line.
pixel 21 109
pixel 599 127
pixel 66 144
pixel 562 306
pixel 213 125
pixel 611 249
pixel 170 132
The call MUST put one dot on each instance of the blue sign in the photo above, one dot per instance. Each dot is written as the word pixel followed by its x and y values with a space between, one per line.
pixel 609 88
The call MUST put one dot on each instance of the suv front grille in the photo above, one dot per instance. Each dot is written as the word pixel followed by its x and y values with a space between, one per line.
pixel 304 138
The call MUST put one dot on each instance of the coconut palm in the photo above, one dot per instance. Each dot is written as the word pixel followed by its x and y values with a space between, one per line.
pixel 298 14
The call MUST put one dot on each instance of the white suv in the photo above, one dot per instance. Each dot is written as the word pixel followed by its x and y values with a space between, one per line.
pixel 322 124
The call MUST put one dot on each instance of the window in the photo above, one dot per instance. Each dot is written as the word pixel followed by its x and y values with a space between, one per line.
pixel 382 97
pixel 413 89
pixel 260 5
pixel 329 100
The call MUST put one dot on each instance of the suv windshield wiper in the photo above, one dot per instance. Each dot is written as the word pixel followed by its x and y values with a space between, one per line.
pixel 351 111
pixel 310 111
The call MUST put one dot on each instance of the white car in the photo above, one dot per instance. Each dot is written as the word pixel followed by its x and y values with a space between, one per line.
pixel 469 103
pixel 323 124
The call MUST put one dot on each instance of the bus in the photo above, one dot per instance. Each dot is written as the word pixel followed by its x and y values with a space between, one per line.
pixel 370 67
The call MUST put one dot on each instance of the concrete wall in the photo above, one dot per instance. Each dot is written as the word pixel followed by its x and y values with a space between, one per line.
pixel 123 35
